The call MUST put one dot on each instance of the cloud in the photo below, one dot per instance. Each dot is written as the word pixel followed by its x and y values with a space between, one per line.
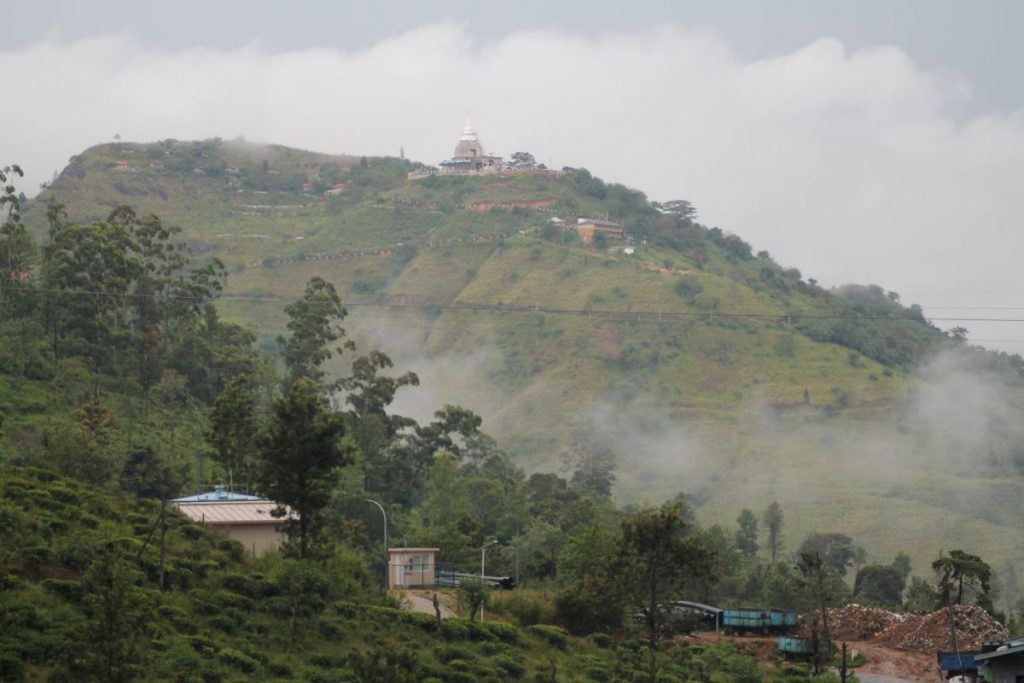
pixel 852 166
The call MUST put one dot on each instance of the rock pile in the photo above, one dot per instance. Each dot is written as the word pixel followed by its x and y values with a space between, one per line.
pixel 857 622
pixel 929 633
pixel 925 633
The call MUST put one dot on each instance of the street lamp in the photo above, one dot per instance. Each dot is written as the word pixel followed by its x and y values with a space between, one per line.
pixel 386 554
pixel 483 559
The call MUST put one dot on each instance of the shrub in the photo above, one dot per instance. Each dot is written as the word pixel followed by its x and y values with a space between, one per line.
pixel 455 629
pixel 238 660
pixel 68 590
pixel 511 666
pixel 449 653
pixel 553 635
pixel 503 632
pixel 11 668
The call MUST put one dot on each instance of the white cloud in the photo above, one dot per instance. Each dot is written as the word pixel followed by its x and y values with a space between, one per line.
pixel 850 166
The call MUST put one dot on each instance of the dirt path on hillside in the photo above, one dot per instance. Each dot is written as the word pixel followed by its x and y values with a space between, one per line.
pixel 423 602
pixel 894 665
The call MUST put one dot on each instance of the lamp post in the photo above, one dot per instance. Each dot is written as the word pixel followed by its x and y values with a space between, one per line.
pixel 386 554
pixel 483 559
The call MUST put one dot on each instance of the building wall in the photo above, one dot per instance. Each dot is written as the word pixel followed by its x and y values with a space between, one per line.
pixel 1009 669
pixel 586 233
pixel 410 569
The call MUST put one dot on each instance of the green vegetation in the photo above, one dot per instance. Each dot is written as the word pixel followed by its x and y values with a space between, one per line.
pixel 131 361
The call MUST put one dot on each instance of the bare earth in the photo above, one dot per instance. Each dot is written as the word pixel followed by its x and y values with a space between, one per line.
pixel 894 665
pixel 884 664
pixel 423 602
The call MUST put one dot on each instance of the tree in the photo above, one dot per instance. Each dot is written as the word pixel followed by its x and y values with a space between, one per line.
pixel 386 462
pixel 232 430
pixel 592 463
pixel 835 550
pixel 679 208
pixel 303 590
pixel 902 563
pixel 746 535
pixel 473 594
pixel 300 457
pixel 17 252
pixel 773 520
pixel 655 558
pixel 960 570
pixel 880 585
pixel 522 160
pixel 312 321
pixel 592 599
pixel 825 587
pixel 93 267
pixel 457 431
pixel 921 595
pixel 147 475
pixel 113 635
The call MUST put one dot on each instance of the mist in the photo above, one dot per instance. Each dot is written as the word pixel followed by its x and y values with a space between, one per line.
pixel 854 166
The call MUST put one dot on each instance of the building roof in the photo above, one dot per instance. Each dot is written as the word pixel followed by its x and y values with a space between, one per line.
pixel 413 550
pixel 598 223
pixel 1012 650
pixel 234 512
pixel 218 494
pixel 469 144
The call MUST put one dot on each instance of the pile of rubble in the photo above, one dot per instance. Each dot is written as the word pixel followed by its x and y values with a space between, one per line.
pixel 925 633
pixel 857 622
pixel 930 632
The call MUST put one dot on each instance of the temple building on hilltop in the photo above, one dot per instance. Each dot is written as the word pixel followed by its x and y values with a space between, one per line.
pixel 470 156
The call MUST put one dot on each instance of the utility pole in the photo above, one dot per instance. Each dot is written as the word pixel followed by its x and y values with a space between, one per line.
pixel 386 554
pixel 483 558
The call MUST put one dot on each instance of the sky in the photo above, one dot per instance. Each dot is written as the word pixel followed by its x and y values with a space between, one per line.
pixel 871 142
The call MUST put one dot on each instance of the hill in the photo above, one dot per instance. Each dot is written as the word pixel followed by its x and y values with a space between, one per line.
pixel 707 367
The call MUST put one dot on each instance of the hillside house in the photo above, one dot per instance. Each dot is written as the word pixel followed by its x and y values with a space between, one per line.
pixel 247 519
pixel 586 228
pixel 122 165
pixel 411 567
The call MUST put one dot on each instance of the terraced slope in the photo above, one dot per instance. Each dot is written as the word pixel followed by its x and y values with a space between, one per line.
pixel 709 369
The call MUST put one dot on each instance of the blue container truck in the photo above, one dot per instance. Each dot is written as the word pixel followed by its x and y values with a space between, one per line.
pixel 758 620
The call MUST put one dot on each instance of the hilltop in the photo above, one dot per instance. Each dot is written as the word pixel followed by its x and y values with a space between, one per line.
pixel 706 365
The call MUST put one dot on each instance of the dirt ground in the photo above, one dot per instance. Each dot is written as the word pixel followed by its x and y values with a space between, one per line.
pixel 891 665
pixel 422 601
pixel 898 664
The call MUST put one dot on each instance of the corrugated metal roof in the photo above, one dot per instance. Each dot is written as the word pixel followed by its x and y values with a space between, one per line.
pixel 1013 650
pixel 233 512
pixel 413 550
pixel 218 494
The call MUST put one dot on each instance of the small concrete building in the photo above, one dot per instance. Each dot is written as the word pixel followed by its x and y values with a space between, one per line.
pixel 411 567
pixel 247 519
pixel 588 227
pixel 1003 665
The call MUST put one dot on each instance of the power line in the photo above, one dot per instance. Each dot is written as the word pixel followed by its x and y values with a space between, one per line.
pixel 656 314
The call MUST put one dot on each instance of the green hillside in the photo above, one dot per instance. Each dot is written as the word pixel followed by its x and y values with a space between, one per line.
pixel 708 367
pixel 87 593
